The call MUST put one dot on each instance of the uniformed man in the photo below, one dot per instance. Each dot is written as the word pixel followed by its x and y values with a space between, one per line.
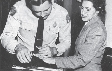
pixel 20 31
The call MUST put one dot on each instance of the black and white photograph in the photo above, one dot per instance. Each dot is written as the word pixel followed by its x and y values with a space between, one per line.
pixel 55 35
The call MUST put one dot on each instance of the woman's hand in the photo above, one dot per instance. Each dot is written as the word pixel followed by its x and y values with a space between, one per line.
pixel 49 60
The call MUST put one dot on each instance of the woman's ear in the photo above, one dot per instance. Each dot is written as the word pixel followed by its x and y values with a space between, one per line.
pixel 97 12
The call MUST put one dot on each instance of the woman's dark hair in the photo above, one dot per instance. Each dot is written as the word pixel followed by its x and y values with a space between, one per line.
pixel 99 5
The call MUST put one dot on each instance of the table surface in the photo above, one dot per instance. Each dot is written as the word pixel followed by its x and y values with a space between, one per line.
pixel 18 68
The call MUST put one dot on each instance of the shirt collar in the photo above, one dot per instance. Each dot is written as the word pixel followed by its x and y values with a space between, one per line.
pixel 53 11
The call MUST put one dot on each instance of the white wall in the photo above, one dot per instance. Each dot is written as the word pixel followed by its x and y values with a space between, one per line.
pixel 108 22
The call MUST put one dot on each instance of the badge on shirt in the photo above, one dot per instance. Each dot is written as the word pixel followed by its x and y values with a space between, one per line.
pixel 67 18
pixel 55 24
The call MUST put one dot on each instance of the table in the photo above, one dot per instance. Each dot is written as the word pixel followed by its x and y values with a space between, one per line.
pixel 18 68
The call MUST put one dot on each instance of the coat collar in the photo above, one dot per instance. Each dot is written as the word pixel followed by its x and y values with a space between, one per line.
pixel 92 21
pixel 85 27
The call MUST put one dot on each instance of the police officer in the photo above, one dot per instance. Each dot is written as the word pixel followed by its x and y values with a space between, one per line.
pixel 19 34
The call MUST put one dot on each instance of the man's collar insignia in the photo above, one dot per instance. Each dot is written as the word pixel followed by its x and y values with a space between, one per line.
pixel 13 11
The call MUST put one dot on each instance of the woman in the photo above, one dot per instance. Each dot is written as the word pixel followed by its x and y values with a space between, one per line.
pixel 90 43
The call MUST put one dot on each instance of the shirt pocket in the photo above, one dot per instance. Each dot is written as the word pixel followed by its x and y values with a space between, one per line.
pixel 26 35
pixel 26 26
pixel 28 23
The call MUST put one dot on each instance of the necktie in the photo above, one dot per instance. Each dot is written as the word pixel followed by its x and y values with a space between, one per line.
pixel 39 35
pixel 38 43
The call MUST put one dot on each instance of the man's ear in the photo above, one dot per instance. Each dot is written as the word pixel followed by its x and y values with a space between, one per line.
pixel 97 12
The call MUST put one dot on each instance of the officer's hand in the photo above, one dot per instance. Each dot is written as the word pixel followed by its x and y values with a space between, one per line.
pixel 23 54
pixel 45 51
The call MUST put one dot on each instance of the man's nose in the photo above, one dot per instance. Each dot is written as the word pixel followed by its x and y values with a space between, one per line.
pixel 42 14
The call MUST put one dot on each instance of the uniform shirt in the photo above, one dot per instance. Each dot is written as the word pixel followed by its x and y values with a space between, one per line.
pixel 22 28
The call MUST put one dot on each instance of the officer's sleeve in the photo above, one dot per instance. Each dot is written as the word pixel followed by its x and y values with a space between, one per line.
pixel 8 37
pixel 64 33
